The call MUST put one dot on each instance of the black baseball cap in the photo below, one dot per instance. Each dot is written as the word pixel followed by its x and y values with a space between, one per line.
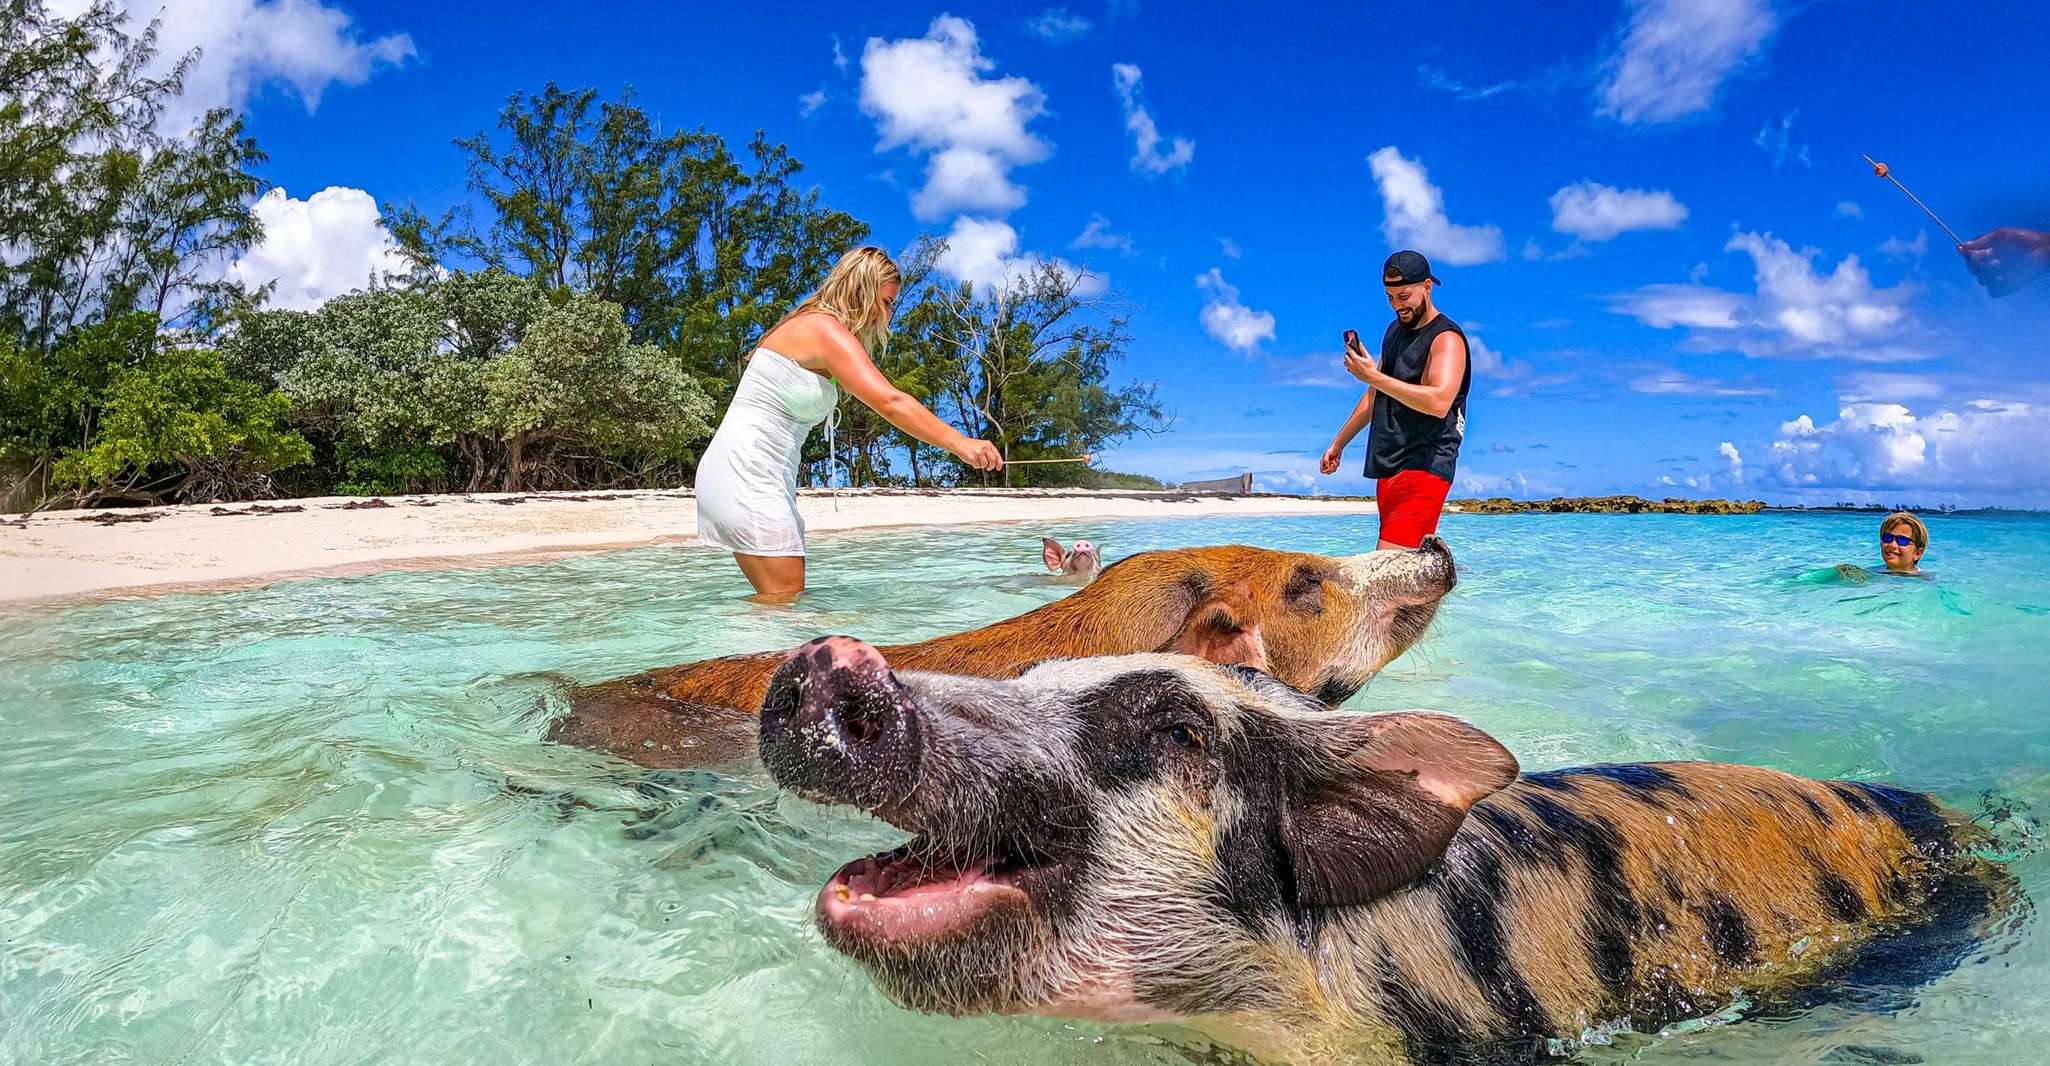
pixel 1407 268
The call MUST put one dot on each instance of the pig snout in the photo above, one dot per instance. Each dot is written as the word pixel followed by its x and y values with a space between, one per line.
pixel 837 725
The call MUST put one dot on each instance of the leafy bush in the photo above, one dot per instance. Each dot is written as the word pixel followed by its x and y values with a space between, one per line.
pixel 392 471
pixel 181 427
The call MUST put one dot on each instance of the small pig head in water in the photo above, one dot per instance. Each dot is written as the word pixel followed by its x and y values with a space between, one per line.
pixel 1078 565
pixel 1156 838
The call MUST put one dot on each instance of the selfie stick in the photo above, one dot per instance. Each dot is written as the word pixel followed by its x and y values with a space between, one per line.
pixel 1083 458
pixel 1881 170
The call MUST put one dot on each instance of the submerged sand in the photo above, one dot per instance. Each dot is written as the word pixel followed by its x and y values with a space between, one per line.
pixel 69 555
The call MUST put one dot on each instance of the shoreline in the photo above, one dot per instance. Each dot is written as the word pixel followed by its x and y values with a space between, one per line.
pixel 60 558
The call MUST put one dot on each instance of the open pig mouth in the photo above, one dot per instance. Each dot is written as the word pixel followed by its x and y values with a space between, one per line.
pixel 839 727
pixel 917 894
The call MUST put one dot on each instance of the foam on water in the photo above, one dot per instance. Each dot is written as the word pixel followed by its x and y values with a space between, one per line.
pixel 314 822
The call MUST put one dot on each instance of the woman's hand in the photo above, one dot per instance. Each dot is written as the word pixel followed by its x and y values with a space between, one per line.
pixel 2007 258
pixel 980 454
pixel 1332 457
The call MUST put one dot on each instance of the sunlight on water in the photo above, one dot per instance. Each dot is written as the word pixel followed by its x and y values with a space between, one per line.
pixel 315 822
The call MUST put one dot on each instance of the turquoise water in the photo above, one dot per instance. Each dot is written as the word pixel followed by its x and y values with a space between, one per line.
pixel 275 825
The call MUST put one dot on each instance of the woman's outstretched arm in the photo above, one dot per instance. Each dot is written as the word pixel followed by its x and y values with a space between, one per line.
pixel 857 373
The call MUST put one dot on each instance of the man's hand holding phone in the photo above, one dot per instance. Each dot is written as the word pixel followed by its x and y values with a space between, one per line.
pixel 1357 362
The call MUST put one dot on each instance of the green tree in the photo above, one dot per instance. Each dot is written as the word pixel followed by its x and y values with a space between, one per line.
pixel 51 401
pixel 190 212
pixel 576 391
pixel 179 427
pixel 104 213
pixel 486 378
pixel 1029 371
pixel 701 250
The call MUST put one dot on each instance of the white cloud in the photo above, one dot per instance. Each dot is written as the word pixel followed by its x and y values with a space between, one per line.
pixel 1873 386
pixel 930 94
pixel 247 46
pixel 1506 378
pixel 1670 382
pixel 1058 25
pixel 318 248
pixel 1728 450
pixel 1984 447
pixel 1694 306
pixel 1228 321
pixel 966 180
pixel 1440 80
pixel 810 102
pixel 1676 53
pixel 839 54
pixel 1596 212
pixel 984 252
pixel 1778 142
pixel 1485 360
pixel 1318 370
pixel 1147 155
pixel 1849 209
pixel 1291 482
pixel 1811 309
pixel 1517 484
pixel 1895 248
pixel 1415 214
pixel 1795 311
pixel 1098 235
pixel 1229 247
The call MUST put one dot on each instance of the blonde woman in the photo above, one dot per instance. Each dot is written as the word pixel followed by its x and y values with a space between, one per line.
pixel 747 480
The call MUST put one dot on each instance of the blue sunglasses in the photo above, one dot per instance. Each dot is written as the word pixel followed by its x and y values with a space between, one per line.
pixel 1894 538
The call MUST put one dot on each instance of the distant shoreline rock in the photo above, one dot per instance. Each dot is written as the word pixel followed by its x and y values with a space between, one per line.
pixel 1604 505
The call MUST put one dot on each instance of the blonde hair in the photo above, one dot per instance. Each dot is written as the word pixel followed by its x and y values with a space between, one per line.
pixel 853 294
pixel 1917 532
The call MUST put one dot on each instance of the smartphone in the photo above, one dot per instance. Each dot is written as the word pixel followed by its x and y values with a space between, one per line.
pixel 1352 337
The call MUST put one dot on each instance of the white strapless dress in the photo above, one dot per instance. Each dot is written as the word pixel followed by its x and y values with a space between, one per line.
pixel 747 480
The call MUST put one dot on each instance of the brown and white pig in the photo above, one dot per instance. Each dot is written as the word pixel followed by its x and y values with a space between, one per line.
pixel 1322 623
pixel 1154 838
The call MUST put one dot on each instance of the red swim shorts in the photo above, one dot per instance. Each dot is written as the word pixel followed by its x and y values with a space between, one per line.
pixel 1410 503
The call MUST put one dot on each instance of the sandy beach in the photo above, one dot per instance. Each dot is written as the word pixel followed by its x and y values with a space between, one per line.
pixel 60 556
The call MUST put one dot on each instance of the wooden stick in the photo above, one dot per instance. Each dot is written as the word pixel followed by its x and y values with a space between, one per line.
pixel 1028 462
pixel 1883 171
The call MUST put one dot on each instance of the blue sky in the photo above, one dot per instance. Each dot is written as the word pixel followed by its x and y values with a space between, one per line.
pixel 1652 217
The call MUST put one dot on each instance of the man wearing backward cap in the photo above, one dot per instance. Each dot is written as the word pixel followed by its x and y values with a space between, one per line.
pixel 1415 401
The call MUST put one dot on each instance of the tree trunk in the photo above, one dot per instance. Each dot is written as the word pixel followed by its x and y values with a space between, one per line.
pixel 514 446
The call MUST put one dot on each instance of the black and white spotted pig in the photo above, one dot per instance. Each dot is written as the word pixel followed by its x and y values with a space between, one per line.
pixel 1155 838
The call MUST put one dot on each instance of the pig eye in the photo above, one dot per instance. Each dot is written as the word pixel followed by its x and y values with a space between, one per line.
pixel 1187 736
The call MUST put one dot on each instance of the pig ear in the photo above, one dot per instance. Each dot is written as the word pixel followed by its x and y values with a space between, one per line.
pixel 1384 815
pixel 1051 548
pixel 1224 630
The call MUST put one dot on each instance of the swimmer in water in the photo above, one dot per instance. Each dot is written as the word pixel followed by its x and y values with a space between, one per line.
pixel 1902 540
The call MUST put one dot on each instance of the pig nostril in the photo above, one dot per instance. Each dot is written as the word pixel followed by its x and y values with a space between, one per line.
pixel 863 718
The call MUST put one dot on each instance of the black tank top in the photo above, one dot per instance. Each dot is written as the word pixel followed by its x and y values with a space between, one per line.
pixel 1403 438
